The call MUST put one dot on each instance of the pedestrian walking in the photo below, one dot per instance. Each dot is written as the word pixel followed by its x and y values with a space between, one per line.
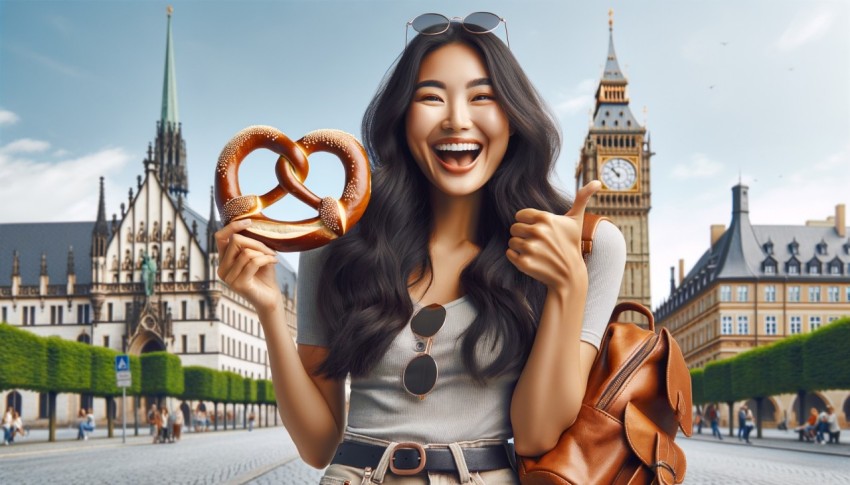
pixel 749 424
pixel 152 413
pixel 177 427
pixel 251 421
pixel 742 418
pixel 698 420
pixel 714 420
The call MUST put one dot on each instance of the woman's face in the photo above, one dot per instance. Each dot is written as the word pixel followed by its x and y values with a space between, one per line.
pixel 456 128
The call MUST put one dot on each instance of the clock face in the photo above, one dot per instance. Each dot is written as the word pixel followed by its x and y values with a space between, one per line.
pixel 618 174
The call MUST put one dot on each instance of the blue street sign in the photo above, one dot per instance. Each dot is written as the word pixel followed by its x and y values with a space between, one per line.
pixel 122 363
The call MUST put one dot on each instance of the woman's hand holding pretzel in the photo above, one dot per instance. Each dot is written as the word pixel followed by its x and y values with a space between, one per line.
pixel 547 246
pixel 247 266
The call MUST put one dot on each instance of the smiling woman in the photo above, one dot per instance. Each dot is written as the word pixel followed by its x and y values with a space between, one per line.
pixel 460 305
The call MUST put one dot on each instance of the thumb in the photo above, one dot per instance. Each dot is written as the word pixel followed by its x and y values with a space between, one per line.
pixel 583 197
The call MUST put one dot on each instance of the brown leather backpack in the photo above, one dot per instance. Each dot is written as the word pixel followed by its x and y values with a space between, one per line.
pixel 638 394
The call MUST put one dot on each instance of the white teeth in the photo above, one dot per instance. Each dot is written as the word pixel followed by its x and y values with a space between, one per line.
pixel 458 147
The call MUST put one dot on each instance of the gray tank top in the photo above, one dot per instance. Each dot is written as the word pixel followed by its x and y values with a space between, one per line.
pixel 458 409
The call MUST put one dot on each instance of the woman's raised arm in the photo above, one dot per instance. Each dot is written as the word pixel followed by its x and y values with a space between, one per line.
pixel 311 406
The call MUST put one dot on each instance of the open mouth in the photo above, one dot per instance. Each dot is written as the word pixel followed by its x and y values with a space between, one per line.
pixel 457 156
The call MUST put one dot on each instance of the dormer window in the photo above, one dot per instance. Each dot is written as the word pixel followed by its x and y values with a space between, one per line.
pixel 767 247
pixel 821 248
pixel 835 267
pixel 769 266
pixel 847 247
pixel 813 266
pixel 794 247
pixel 792 266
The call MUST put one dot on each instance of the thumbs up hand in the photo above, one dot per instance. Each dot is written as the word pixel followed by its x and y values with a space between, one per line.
pixel 547 246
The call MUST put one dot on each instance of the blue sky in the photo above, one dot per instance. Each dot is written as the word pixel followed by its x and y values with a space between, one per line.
pixel 749 89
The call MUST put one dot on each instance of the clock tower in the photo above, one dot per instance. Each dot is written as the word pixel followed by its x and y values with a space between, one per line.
pixel 617 152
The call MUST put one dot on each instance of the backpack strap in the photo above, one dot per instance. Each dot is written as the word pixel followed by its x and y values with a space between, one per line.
pixel 588 229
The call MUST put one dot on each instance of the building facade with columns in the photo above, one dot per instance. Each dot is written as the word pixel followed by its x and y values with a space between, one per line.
pixel 144 280
pixel 757 284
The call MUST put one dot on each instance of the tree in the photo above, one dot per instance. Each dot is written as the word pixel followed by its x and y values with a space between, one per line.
pixel 162 375
pixel 68 370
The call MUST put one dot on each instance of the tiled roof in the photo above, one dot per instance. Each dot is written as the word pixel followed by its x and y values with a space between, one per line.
pixel 52 239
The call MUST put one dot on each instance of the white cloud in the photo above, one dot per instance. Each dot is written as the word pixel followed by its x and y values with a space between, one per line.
pixel 8 118
pixel 25 145
pixel 57 191
pixel 805 28
pixel 580 100
pixel 700 166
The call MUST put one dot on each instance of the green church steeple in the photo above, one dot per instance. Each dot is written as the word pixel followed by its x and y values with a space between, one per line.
pixel 169 85
pixel 170 149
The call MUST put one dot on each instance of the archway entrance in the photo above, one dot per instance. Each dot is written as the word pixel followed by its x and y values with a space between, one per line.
pixel 812 400
pixel 13 400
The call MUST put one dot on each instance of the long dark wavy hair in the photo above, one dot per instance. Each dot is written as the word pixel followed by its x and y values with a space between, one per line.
pixel 365 280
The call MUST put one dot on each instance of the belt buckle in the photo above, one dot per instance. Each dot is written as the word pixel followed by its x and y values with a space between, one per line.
pixel 408 471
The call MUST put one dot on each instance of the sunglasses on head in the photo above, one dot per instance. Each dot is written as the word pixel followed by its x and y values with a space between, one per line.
pixel 474 23
pixel 420 374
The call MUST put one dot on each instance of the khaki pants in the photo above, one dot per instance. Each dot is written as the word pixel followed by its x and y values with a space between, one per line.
pixel 346 475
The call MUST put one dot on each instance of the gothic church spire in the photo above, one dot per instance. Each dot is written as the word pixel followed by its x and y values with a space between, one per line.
pixel 170 149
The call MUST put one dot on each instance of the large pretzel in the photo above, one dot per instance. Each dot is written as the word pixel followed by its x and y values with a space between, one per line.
pixel 335 216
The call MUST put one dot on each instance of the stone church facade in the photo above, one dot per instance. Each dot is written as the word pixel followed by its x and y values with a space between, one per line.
pixel 144 280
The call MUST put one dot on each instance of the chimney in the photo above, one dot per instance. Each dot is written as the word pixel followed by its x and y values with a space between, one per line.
pixel 840 222
pixel 717 231
pixel 681 270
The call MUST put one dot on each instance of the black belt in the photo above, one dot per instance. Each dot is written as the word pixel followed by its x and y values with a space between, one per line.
pixel 412 458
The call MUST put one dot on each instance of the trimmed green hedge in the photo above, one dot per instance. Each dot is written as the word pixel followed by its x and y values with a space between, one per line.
pixel 717 383
pixel 786 369
pixel 23 359
pixel 751 373
pixel 69 366
pixel 199 383
pixel 235 387
pixel 221 387
pixel 265 392
pixel 250 391
pixel 826 357
pixel 162 374
pixel 697 380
